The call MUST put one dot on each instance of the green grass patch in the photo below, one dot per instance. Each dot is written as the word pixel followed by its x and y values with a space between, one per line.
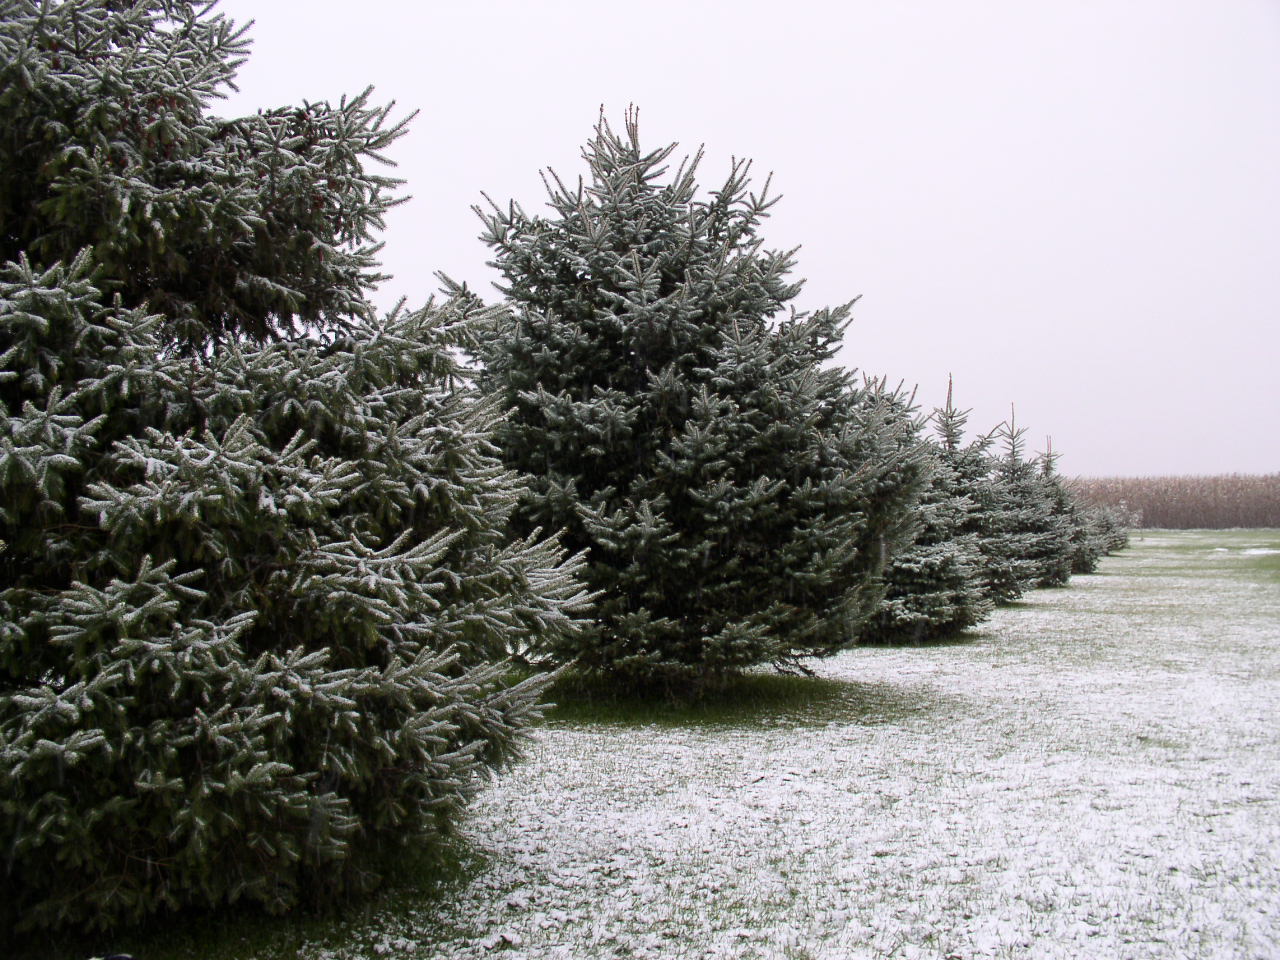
pixel 1205 554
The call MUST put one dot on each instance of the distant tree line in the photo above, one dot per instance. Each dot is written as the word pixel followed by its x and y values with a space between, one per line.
pixel 267 555
pixel 1187 502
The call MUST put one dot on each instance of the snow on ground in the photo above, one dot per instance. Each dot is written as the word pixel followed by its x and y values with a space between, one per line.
pixel 1096 775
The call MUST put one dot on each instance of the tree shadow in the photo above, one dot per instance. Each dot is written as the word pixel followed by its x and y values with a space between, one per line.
pixel 413 877
pixel 761 700
pixel 958 638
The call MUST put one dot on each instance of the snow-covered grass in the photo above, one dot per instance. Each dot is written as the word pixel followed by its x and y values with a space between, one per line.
pixel 1095 775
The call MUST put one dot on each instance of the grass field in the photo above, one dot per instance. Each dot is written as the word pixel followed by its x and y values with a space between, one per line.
pixel 1095 774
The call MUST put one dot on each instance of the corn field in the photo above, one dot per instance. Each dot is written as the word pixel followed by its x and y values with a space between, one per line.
pixel 1189 502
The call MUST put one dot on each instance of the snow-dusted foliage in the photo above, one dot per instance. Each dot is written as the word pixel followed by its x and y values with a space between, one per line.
pixel 1109 524
pixel 248 607
pixel 1040 534
pixel 934 585
pixel 1087 541
pixel 1002 570
pixel 1029 526
pixel 253 598
pixel 737 497
pixel 253 224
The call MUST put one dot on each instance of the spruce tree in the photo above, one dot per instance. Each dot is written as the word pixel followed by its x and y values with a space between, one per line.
pixel 1003 571
pixel 1041 537
pixel 258 225
pixel 252 595
pixel 737 496
pixel 1093 532
pixel 1109 524
pixel 1084 546
pixel 934 585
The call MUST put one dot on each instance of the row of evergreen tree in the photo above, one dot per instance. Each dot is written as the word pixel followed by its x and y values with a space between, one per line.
pixel 266 555
pixel 739 499
pixel 991 525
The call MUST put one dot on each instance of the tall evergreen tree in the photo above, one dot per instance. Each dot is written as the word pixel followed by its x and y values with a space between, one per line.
pixel 252 597
pixel 737 496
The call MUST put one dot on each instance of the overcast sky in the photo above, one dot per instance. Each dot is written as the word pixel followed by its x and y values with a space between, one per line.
pixel 1070 205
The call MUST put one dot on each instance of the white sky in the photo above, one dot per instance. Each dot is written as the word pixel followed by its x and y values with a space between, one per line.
pixel 1071 205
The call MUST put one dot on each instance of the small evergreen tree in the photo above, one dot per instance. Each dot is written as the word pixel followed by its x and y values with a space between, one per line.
pixel 934 585
pixel 737 497
pixel 251 596
pixel 1041 536
pixel 1002 569
pixel 1084 544
pixel 1109 524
